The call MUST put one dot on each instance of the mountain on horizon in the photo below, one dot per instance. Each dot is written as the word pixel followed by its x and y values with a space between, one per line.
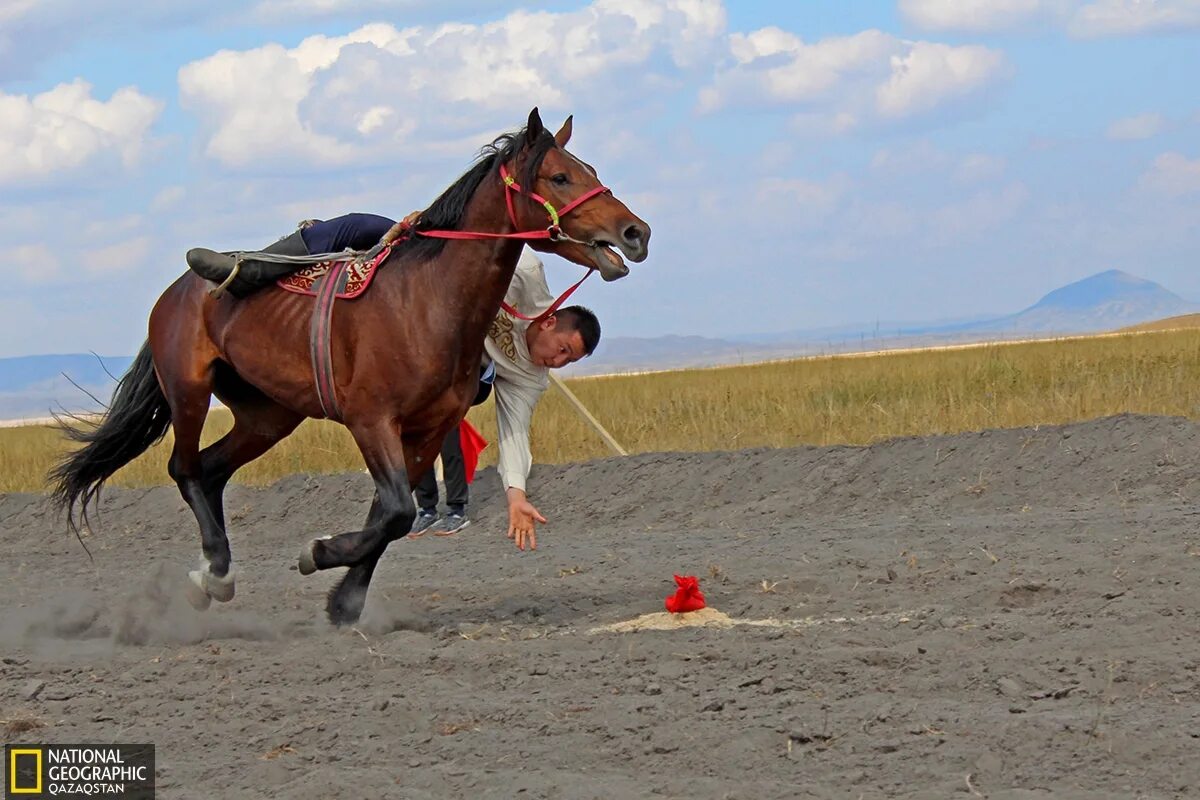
pixel 1103 301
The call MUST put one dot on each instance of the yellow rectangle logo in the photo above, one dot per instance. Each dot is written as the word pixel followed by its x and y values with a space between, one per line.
pixel 13 788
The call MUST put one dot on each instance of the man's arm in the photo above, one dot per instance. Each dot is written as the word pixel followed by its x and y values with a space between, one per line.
pixel 514 414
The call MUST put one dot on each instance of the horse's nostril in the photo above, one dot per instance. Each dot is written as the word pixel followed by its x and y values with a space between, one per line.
pixel 633 234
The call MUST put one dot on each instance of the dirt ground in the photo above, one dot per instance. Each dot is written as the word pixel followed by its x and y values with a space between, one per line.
pixel 1006 614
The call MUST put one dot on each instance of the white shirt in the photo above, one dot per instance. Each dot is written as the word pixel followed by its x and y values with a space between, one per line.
pixel 519 382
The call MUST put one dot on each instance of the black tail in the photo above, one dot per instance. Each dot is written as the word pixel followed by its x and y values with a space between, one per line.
pixel 137 418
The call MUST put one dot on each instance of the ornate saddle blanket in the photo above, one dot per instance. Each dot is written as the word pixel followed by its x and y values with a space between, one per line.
pixel 358 276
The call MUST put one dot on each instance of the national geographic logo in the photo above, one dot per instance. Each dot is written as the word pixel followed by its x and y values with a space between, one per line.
pixel 74 771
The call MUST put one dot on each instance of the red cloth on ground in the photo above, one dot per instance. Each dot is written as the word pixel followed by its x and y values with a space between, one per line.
pixel 472 445
pixel 687 597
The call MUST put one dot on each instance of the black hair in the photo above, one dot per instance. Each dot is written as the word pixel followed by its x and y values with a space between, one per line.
pixel 578 318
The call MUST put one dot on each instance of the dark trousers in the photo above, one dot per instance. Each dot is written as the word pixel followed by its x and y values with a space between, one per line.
pixel 353 231
pixel 453 471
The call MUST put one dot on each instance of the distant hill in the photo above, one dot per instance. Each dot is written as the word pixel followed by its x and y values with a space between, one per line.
pixel 1170 323
pixel 1104 301
pixel 1101 302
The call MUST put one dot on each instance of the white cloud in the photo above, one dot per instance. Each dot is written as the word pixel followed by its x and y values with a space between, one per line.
pixel 167 198
pixel 840 82
pixel 1172 174
pixel 926 161
pixel 1142 126
pixel 35 263
pixel 126 256
pixel 800 202
pixel 287 10
pixel 979 167
pixel 772 66
pixel 65 129
pixel 1131 17
pixel 825 123
pixel 980 16
pixel 34 30
pixel 371 94
pixel 381 94
pixel 931 74
pixel 1078 17
pixel 983 211
pixel 14 10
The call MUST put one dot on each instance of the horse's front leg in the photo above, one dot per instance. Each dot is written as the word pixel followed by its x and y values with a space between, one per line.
pixel 347 599
pixel 392 515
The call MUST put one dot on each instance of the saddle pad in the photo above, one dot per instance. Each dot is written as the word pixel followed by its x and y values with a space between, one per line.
pixel 358 276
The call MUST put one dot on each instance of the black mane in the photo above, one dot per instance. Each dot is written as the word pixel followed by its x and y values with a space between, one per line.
pixel 447 211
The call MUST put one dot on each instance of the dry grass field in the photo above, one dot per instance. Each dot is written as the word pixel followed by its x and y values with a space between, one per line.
pixel 828 400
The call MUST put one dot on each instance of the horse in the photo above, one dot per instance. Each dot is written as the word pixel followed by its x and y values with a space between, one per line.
pixel 405 357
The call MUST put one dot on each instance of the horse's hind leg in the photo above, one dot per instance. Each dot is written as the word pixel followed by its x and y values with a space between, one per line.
pixel 187 385
pixel 258 424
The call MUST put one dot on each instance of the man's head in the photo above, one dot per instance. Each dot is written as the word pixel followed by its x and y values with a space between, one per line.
pixel 563 338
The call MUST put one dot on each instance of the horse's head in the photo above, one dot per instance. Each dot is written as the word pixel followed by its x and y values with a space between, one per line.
pixel 594 224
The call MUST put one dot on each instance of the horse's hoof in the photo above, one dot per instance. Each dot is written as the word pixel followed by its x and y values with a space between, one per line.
pixel 220 589
pixel 342 614
pixel 194 591
pixel 308 563
pixel 212 587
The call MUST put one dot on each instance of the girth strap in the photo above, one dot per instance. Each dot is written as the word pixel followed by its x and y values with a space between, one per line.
pixel 321 337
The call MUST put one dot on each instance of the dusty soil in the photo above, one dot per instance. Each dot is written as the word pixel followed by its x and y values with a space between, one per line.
pixel 1005 614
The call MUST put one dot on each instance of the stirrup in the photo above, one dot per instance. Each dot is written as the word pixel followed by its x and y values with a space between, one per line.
pixel 237 268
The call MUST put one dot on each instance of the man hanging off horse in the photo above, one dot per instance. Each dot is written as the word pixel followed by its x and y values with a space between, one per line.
pixel 520 351
pixel 399 370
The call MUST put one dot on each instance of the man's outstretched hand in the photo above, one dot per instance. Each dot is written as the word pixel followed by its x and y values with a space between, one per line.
pixel 522 519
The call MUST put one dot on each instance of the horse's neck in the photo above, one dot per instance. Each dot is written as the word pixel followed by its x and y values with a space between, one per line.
pixel 472 276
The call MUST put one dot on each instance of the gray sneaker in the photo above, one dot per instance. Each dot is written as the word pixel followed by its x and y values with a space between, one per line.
pixel 425 519
pixel 453 523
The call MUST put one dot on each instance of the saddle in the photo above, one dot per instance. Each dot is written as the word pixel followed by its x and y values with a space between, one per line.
pixel 288 264
pixel 240 273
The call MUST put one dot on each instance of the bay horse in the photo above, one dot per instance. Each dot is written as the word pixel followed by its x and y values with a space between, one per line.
pixel 405 355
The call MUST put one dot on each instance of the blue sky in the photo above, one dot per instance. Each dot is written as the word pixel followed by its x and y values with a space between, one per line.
pixel 803 164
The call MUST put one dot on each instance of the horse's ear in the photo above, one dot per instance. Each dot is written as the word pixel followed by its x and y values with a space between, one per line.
pixel 534 128
pixel 564 133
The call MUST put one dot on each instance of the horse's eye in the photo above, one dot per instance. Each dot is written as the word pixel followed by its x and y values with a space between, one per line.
pixel 560 179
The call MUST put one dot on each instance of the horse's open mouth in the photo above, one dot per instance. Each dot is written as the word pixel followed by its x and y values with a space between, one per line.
pixel 608 251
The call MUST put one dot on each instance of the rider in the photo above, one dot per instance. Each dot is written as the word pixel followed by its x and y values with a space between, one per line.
pixel 522 352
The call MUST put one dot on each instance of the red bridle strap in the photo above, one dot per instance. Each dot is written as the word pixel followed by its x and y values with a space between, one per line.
pixel 555 215
pixel 553 233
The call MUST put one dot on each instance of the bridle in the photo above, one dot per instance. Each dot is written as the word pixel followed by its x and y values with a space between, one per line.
pixel 552 232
